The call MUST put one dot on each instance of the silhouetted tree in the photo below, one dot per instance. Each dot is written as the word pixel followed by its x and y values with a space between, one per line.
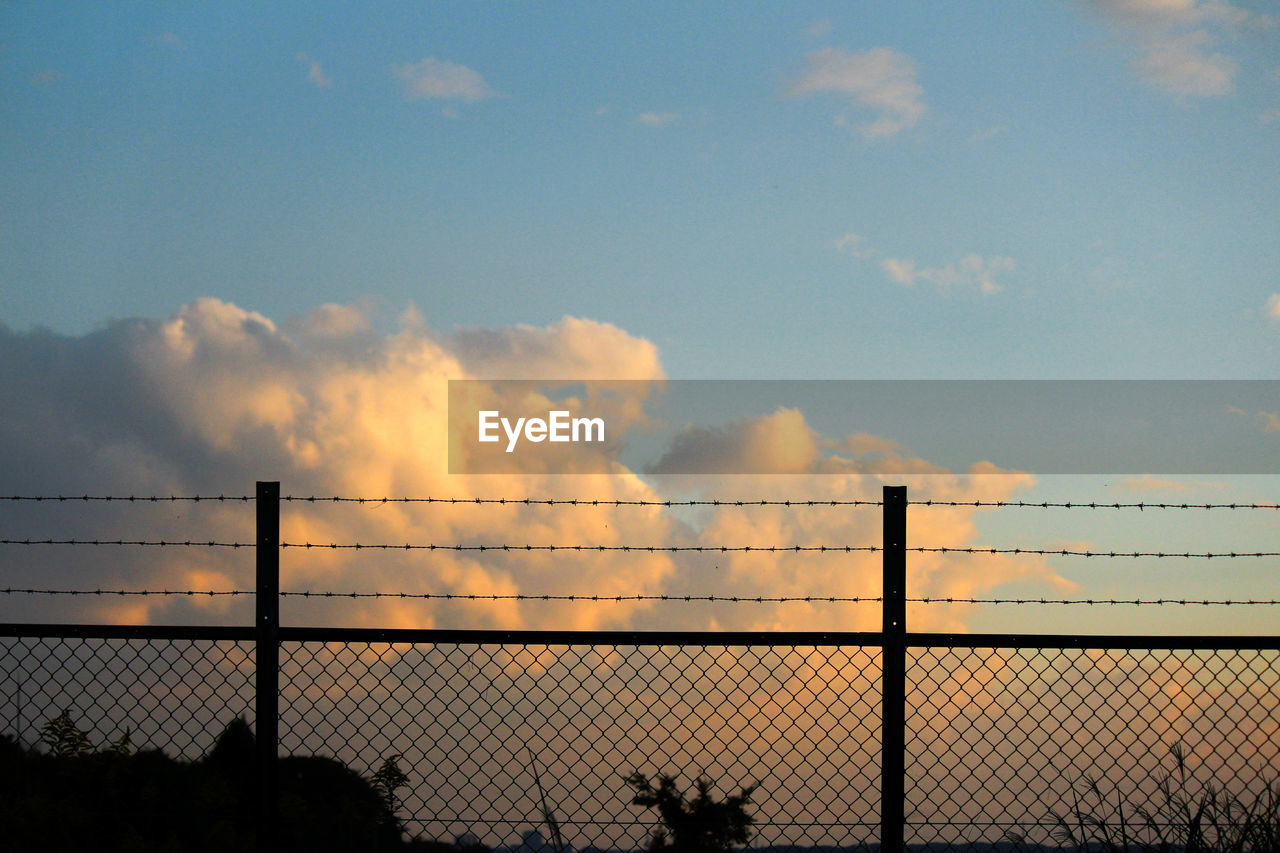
pixel 699 825
pixel 71 797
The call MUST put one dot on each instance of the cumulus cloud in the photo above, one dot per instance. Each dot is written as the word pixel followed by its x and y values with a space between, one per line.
pixel 439 79
pixel 1178 40
pixel 881 80
pixel 216 396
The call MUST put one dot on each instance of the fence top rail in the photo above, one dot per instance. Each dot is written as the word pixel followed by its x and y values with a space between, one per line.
pixel 468 636
pixel 127 632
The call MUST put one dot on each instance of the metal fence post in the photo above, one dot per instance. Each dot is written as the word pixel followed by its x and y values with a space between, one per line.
pixel 267 660
pixel 894 669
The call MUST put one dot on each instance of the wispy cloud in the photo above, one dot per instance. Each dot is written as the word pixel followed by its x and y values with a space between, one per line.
pixel 657 119
pixel 1273 306
pixel 437 78
pixel 46 78
pixel 315 72
pixel 972 272
pixel 171 40
pixel 1267 421
pixel 881 80
pixel 1180 40
pixel 1150 483
pixel 820 28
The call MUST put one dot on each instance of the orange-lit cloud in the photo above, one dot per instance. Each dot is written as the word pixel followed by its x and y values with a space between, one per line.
pixel 216 397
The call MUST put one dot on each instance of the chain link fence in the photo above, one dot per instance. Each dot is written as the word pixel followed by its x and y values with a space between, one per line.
pixel 1001 741
pixel 480 728
pixel 998 739
pixel 172 694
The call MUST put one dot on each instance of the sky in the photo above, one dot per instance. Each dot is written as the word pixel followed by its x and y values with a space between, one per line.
pixel 240 243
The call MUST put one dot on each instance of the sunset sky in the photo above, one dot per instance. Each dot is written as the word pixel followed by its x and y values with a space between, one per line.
pixel 242 243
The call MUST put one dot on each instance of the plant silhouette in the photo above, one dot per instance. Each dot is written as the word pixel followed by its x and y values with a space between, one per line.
pixel 697 825
pixel 71 797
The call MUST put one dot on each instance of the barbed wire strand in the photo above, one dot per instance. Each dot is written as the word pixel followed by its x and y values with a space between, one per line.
pixel 745 599
pixel 701 549
pixel 128 498
pixel 713 502
pixel 154 543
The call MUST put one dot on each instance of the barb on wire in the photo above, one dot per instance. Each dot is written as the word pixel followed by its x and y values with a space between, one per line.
pixel 577 501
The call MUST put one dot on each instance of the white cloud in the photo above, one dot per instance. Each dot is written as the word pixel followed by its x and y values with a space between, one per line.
pixel 437 78
pixel 657 119
pixel 971 272
pixel 1178 40
pixel 882 80
pixel 315 72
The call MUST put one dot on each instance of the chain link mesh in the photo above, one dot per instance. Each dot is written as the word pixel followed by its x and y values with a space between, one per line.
pixel 999 739
pixel 175 695
pixel 471 723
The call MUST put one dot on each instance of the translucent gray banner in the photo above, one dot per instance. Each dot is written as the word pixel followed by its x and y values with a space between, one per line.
pixel 660 427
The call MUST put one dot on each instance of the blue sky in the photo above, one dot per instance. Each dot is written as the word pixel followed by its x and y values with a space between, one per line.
pixel 310 206
pixel 684 171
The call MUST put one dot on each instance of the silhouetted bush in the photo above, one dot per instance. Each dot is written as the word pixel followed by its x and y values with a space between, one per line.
pixel 74 799
pixel 699 825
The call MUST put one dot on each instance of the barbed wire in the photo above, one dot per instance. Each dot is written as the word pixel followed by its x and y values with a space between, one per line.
pixel 187 592
pixel 594 502
pixel 1096 601
pixel 708 549
pixel 1091 505
pixel 128 498
pixel 581 501
pixel 522 596
pixel 743 599
pixel 156 543
pixel 701 549
pixel 1068 552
